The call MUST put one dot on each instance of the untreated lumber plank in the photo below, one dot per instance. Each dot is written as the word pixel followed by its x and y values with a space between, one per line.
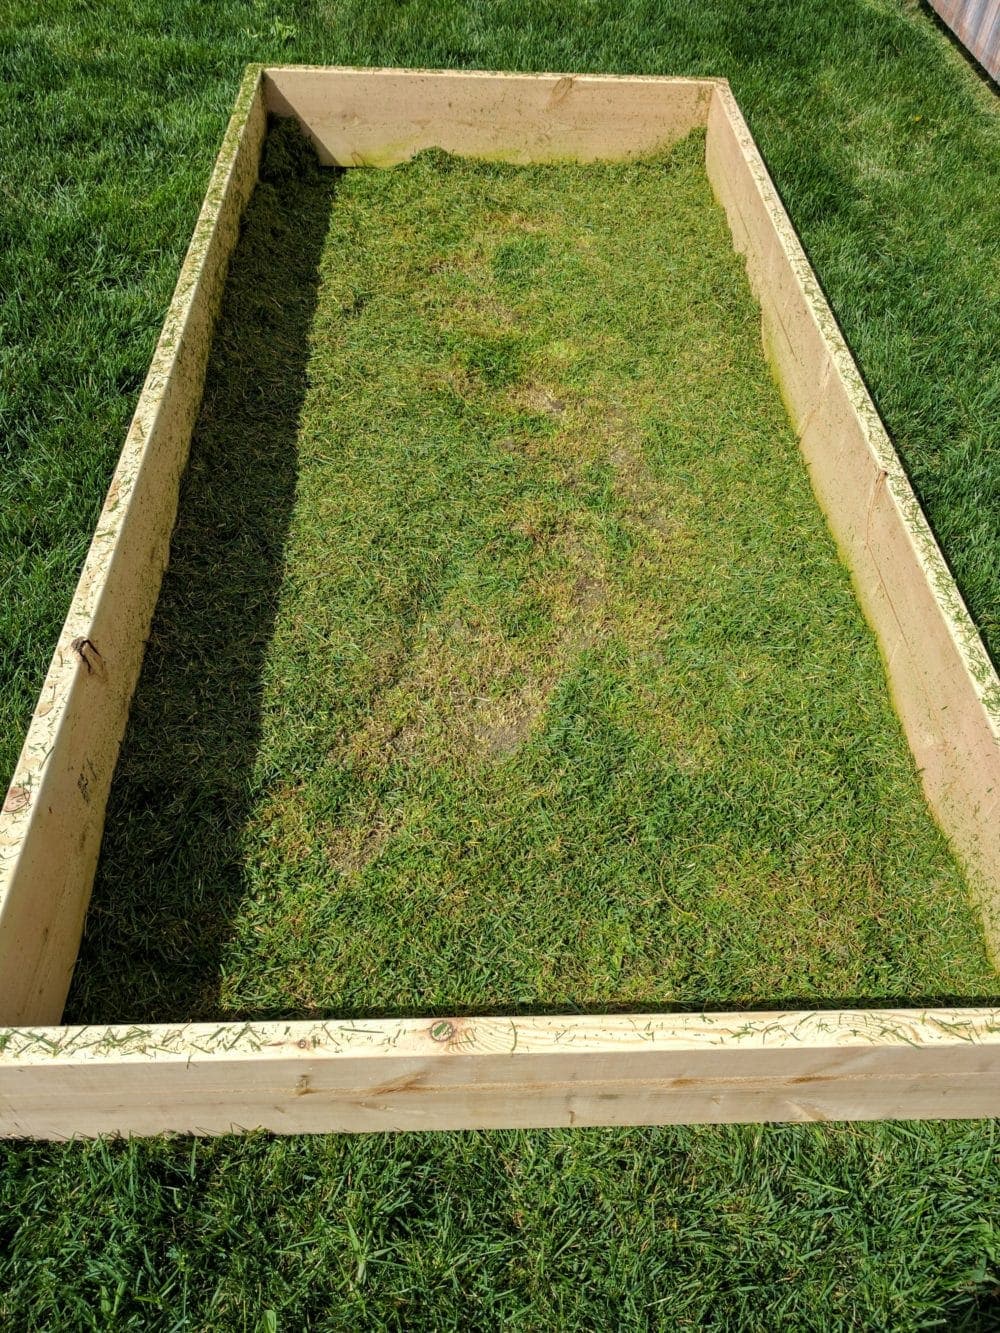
pixel 944 687
pixel 474 1073
pixel 53 816
pixel 377 117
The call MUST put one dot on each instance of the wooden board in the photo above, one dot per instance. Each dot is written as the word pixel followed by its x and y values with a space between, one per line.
pixel 474 1073
pixel 53 814
pixel 943 684
pixel 377 117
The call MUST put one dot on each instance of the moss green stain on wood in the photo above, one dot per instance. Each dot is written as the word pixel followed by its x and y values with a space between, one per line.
pixel 504 661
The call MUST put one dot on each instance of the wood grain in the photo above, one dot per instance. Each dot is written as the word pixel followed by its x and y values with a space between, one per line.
pixel 976 24
pixel 377 117
pixel 474 1073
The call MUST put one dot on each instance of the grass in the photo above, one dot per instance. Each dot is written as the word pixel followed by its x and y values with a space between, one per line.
pixel 743 1228
pixel 523 673
pixel 884 145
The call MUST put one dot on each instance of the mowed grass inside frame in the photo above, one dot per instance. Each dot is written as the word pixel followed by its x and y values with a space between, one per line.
pixel 504 661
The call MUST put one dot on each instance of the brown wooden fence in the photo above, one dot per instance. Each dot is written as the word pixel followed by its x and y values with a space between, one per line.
pixel 976 24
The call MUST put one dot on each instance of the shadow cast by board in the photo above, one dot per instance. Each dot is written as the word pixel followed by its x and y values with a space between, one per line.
pixel 763 1004
pixel 170 878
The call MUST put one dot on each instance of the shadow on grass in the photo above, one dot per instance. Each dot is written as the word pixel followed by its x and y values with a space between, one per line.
pixel 764 1004
pixel 171 877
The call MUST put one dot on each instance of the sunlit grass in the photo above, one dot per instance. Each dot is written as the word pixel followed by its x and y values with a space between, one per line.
pixel 885 148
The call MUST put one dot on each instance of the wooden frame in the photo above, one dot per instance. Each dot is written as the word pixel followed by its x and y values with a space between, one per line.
pixel 476 1072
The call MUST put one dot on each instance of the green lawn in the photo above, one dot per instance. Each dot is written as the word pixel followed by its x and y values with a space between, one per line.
pixel 885 147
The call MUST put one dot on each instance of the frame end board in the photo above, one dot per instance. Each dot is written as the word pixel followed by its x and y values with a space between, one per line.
pixel 379 117
pixel 494 1073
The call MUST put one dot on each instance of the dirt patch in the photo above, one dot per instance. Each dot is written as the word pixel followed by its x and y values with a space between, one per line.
pixel 351 848
pixel 533 398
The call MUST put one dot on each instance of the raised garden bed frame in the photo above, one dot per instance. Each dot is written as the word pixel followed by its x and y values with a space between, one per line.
pixel 454 1073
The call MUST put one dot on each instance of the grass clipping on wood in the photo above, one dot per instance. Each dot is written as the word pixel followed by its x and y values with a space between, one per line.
pixel 505 661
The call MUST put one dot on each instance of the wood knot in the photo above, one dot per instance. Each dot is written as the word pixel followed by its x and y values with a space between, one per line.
pixel 562 88
pixel 87 652
pixel 17 799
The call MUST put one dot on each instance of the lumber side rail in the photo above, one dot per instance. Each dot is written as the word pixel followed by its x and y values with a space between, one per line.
pixel 497 1073
pixel 944 686
pixel 53 815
